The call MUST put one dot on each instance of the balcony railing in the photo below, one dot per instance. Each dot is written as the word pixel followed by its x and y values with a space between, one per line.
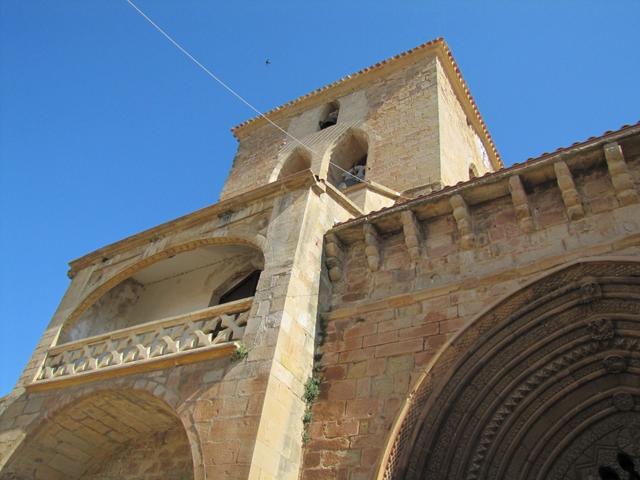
pixel 188 338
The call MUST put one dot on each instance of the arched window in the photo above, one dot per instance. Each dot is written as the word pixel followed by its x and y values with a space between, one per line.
pixel 243 289
pixel 299 160
pixel 329 115
pixel 349 160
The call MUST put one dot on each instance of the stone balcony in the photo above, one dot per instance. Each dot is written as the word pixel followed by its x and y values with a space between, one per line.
pixel 192 337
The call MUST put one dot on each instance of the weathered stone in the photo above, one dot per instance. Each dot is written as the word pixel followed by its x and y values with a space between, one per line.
pixel 485 342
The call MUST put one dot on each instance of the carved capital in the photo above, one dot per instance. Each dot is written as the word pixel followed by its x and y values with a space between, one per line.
pixel 521 204
pixel 620 176
pixel 570 196
pixel 463 221
pixel 333 256
pixel 372 246
pixel 412 234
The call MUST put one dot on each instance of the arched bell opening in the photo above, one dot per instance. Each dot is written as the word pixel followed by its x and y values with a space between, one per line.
pixel 348 160
pixel 297 161
pixel 329 115
pixel 545 385
pixel 122 434
pixel 176 285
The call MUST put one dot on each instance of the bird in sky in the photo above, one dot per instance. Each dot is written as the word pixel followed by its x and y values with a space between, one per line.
pixel 267 61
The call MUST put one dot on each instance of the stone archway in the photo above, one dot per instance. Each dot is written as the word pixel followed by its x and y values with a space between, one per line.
pixel 545 385
pixel 101 287
pixel 124 434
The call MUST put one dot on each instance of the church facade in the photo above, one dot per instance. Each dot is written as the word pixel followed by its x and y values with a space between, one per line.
pixel 375 296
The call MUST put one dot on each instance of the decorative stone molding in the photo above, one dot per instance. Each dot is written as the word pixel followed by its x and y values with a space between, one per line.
pixel 601 329
pixel 412 234
pixel 372 246
pixel 615 364
pixel 570 195
pixel 463 220
pixel 590 290
pixel 534 359
pixel 177 340
pixel 334 253
pixel 623 401
pixel 620 176
pixel 521 204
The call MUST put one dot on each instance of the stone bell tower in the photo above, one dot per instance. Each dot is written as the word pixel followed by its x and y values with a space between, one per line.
pixel 411 116
pixel 183 351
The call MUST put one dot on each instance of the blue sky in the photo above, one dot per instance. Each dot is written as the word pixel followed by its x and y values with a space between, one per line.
pixel 106 129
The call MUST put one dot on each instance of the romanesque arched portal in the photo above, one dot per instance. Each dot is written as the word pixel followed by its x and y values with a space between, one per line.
pixel 546 385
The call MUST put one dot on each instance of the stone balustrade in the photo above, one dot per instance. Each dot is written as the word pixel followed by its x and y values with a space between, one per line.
pixel 203 334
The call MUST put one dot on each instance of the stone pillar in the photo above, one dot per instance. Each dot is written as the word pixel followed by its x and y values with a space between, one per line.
pixel 290 316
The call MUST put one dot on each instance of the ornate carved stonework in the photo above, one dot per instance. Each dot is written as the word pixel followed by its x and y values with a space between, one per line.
pixel 601 329
pixel 615 364
pixel 372 246
pixel 590 290
pixel 623 401
pixel 628 440
pixel 334 254
pixel 540 391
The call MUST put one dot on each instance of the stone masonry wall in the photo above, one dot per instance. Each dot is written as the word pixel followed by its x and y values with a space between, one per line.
pixel 164 456
pixel 403 121
pixel 406 115
pixel 242 416
pixel 459 144
pixel 386 325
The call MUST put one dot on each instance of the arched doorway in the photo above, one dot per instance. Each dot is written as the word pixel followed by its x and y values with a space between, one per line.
pixel 546 385
pixel 109 434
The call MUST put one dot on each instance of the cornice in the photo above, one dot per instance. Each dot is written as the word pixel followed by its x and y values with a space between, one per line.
pixel 494 185
pixel 293 182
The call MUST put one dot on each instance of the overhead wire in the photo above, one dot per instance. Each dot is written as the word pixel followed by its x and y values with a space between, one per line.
pixel 236 94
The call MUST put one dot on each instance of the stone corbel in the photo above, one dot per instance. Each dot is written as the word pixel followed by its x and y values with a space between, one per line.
pixel 620 176
pixel 412 234
pixel 570 196
pixel 521 204
pixel 334 253
pixel 463 221
pixel 372 246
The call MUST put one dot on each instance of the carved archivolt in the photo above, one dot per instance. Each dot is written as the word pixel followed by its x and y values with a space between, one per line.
pixel 535 388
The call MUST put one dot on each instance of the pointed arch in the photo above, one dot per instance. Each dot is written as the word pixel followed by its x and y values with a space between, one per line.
pixel 351 149
pixel 296 161
pixel 525 389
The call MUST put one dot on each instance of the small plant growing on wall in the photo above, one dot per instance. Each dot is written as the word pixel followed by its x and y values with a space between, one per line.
pixel 322 331
pixel 241 353
pixel 311 392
